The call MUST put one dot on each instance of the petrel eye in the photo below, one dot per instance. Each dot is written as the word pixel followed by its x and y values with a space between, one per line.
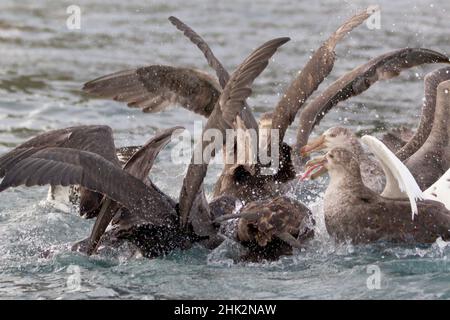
pixel 333 135
pixel 331 156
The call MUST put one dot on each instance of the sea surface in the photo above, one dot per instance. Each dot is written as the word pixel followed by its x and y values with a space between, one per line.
pixel 43 65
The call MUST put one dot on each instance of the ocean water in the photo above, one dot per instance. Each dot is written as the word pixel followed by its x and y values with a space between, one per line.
pixel 43 65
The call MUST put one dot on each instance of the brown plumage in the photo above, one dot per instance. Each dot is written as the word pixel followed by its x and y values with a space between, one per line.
pixel 221 73
pixel 340 137
pixel 355 82
pixel 432 160
pixel 122 85
pixel 225 116
pixel 64 166
pixel 427 118
pixel 317 68
pixel 354 212
pixel 397 138
pixel 311 76
pixel 270 228
pixel 125 189
pixel 95 139
pixel 139 166
pixel 264 220
pixel 242 181
pixel 236 180
pixel 125 153
pixel 154 88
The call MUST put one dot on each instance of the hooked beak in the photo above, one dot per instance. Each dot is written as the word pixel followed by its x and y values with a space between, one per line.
pixel 315 168
pixel 315 145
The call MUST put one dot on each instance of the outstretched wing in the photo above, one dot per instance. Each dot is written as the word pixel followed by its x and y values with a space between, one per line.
pixel 213 62
pixel 440 190
pixel 311 76
pixel 355 82
pixel 139 166
pixel 399 180
pixel 63 166
pixel 154 88
pixel 95 139
pixel 230 103
pixel 222 74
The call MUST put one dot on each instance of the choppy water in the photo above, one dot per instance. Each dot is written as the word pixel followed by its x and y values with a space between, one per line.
pixel 43 65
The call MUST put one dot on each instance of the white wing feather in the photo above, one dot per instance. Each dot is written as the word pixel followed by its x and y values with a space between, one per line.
pixel 398 177
pixel 440 190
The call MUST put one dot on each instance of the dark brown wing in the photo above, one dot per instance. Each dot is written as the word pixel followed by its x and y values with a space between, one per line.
pixel 355 82
pixel 139 166
pixel 213 62
pixel 222 74
pixel 154 88
pixel 62 166
pixel 431 82
pixel 311 76
pixel 230 104
pixel 238 88
pixel 431 222
pixel 96 139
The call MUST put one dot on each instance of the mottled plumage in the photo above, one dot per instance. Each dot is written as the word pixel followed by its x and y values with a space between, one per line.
pixel 354 212
pixel 270 228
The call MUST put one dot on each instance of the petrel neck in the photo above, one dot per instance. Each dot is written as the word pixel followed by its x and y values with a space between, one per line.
pixel 440 132
pixel 346 179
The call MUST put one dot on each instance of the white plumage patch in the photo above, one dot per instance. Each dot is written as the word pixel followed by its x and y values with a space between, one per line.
pixel 440 190
pixel 394 168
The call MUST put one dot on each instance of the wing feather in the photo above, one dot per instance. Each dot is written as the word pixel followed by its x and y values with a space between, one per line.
pixel 221 72
pixel 94 173
pixel 399 180
pixel 155 87
pixel 355 82
pixel 139 166
pixel 97 139
pixel 311 76
pixel 229 106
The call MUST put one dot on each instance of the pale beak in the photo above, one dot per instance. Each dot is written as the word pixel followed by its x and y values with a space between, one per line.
pixel 315 145
pixel 314 168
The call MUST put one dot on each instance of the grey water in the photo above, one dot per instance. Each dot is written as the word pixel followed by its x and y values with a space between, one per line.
pixel 43 65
